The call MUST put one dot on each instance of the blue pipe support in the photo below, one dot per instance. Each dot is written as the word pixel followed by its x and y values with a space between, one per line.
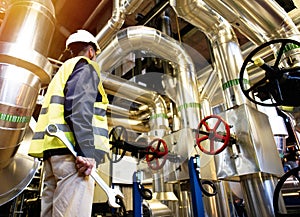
pixel 197 202
pixel 137 198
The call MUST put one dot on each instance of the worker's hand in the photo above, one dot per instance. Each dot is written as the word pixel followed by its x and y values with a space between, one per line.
pixel 84 165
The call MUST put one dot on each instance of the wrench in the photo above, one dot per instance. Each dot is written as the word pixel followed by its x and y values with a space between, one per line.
pixel 112 194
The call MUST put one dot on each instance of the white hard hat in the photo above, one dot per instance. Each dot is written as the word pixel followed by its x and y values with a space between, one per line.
pixel 82 36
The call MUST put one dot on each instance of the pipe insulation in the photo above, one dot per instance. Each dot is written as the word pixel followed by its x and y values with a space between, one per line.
pixel 153 42
pixel 123 89
pixel 269 16
pixel 226 50
pixel 122 8
pixel 25 36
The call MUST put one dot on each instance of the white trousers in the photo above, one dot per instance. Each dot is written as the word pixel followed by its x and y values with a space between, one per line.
pixel 65 193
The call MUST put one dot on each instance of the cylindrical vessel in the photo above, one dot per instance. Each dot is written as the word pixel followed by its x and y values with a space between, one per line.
pixel 18 93
pixel 25 36
pixel 25 23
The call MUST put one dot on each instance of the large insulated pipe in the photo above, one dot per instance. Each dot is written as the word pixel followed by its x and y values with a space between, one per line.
pixel 18 94
pixel 25 36
pixel 268 15
pixel 246 49
pixel 226 50
pixel 250 30
pixel 210 87
pixel 121 8
pixel 217 205
pixel 228 58
pixel 120 115
pixel 129 90
pixel 153 42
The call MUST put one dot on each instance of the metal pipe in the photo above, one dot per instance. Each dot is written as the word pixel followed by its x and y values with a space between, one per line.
pixel 211 85
pixel 97 10
pixel 23 29
pixel 125 89
pixel 115 23
pixel 26 27
pixel 258 192
pixel 267 16
pixel 252 31
pixel 153 42
pixel 23 36
pixel 121 111
pixel 17 100
pixel 226 50
pixel 135 125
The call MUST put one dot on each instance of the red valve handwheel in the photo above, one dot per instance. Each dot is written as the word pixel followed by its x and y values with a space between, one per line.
pixel 213 135
pixel 154 154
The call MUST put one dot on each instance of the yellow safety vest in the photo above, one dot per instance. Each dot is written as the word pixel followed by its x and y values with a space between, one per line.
pixel 52 112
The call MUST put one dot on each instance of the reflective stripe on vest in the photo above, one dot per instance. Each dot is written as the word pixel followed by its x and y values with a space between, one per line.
pixel 52 111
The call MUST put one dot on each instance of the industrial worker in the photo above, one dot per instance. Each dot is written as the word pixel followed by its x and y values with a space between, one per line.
pixel 76 102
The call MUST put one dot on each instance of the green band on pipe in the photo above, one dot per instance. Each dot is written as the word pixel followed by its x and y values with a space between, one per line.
pixel 189 105
pixel 14 118
pixel 233 82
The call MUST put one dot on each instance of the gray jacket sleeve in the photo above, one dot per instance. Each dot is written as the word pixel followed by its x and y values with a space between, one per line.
pixel 81 92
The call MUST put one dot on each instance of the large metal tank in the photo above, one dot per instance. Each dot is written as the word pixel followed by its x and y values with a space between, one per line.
pixel 18 93
pixel 25 36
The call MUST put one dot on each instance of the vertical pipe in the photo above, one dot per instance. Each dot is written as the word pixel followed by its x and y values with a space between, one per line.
pixel 115 23
pixel 22 29
pixel 17 102
pixel 23 24
pixel 229 60
pixel 25 36
pixel 258 194
pixel 228 56
pixel 217 205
